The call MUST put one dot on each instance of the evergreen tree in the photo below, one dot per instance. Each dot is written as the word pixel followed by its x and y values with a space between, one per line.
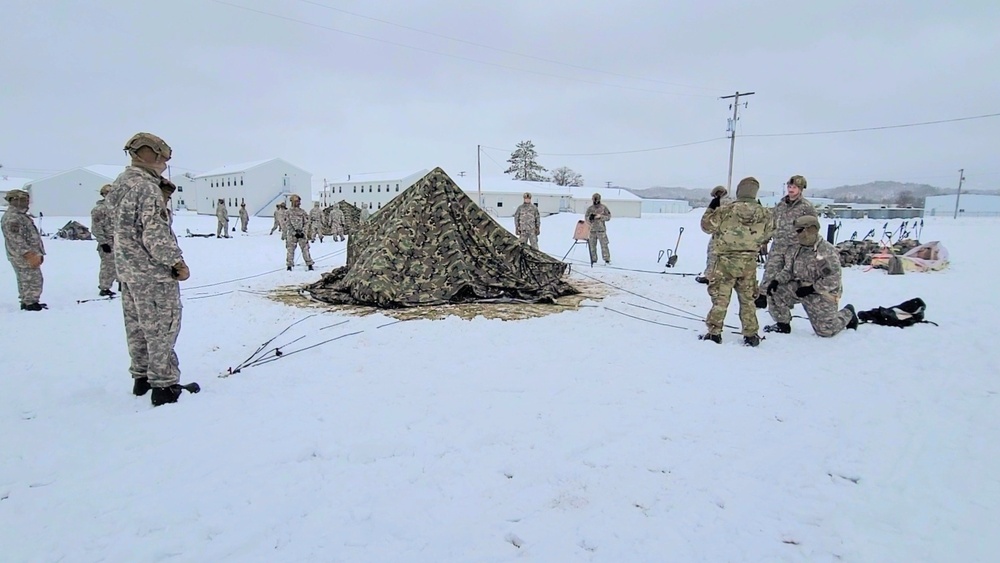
pixel 566 176
pixel 523 163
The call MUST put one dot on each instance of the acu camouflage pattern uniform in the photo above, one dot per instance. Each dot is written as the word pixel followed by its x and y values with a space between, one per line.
pixel 279 220
pixel 528 223
pixel 335 217
pixel 738 230
pixel 315 222
pixel 222 214
pixel 103 230
pixel 597 215
pixel 21 237
pixel 146 252
pixel 244 218
pixel 296 222
pixel 818 265
pixel 785 214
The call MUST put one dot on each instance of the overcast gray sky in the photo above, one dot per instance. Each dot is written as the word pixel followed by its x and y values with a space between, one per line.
pixel 224 84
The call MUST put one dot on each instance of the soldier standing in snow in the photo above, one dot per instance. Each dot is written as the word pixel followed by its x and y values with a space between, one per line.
pixel 25 250
pixel 718 192
pixel 222 214
pixel 150 266
pixel 597 215
pixel 279 220
pixel 336 219
pixel 316 222
pixel 788 209
pixel 364 213
pixel 738 228
pixel 808 273
pixel 296 223
pixel 100 226
pixel 244 217
pixel 528 222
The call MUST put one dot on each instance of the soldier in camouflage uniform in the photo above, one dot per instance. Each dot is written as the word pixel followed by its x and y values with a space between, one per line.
pixel 528 222
pixel 738 229
pixel 315 222
pixel 788 209
pixel 222 214
pixel 100 226
pixel 244 217
pixel 364 213
pixel 25 250
pixel 720 193
pixel 808 273
pixel 296 223
pixel 597 215
pixel 336 219
pixel 279 220
pixel 150 267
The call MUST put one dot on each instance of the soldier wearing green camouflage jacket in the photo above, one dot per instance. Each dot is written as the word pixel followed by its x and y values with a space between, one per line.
pixel 100 226
pixel 738 229
pixel 788 209
pixel 296 224
pixel 222 215
pixel 150 266
pixel 315 223
pixel 808 273
pixel 597 215
pixel 528 222
pixel 25 250
pixel 720 193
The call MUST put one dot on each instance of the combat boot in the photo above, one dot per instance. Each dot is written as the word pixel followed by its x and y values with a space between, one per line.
pixel 33 306
pixel 701 279
pixel 310 267
pixel 140 386
pixel 717 338
pixel 853 323
pixel 289 268
pixel 753 341
pixel 780 328
pixel 164 395
pixel 106 293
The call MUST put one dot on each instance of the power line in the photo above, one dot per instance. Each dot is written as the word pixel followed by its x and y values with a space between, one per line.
pixel 459 57
pixel 622 152
pixel 969 118
pixel 508 52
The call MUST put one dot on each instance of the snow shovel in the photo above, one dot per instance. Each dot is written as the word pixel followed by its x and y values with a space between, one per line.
pixel 672 256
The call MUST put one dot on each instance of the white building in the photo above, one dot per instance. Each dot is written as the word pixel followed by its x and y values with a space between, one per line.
pixel 969 205
pixel 371 190
pixel 818 202
pixel 650 205
pixel 502 196
pixel 72 193
pixel 261 185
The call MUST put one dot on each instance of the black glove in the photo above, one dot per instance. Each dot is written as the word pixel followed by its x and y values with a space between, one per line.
pixel 804 291
pixel 106 248
pixel 591 216
pixel 716 202
pixel 772 286
pixel 760 302
pixel 299 234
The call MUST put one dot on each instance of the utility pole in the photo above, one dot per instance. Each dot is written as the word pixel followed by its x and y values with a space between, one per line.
pixel 607 184
pixel 479 173
pixel 732 132
pixel 961 178
pixel 462 174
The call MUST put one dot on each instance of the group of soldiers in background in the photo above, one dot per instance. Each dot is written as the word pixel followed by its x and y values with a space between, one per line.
pixel 801 266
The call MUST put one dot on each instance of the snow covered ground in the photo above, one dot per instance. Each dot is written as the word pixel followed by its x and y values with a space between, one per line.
pixel 580 436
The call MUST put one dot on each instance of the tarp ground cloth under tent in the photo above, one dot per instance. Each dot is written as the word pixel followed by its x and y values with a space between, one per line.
pixel 432 245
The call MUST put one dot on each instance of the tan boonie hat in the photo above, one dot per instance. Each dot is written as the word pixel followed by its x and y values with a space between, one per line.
pixel 150 140
pixel 797 181
pixel 806 221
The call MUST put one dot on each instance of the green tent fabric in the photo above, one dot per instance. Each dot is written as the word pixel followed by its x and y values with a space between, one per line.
pixel 432 245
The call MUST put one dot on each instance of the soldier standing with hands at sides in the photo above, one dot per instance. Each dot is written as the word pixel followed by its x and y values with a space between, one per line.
pixel 528 222
pixel 597 215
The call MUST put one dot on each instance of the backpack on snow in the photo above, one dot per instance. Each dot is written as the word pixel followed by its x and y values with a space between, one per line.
pixel 907 313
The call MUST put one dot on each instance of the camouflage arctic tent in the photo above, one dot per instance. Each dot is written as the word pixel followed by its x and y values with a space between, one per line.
pixel 432 245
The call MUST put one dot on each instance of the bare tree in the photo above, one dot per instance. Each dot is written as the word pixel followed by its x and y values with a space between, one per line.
pixel 565 176
pixel 906 199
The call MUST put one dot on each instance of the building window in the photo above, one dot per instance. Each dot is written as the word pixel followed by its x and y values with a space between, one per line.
pixel 380 188
pixel 355 189
pixel 340 190
pixel 397 187
pixel 499 204
pixel 380 205
pixel 241 181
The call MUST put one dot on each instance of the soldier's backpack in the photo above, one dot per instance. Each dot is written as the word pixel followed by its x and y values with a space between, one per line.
pixel 907 313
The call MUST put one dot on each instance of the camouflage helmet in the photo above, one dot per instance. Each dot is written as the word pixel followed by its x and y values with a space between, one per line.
pixel 150 140
pixel 15 195
pixel 748 188
pixel 105 189
pixel 719 191
pixel 806 221
pixel 596 197
pixel 797 181
pixel 527 195
pixel 295 199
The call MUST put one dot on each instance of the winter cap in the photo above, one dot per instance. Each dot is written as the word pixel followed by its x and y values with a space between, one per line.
pixel 797 181
pixel 806 221
pixel 13 195
pixel 596 198
pixel 719 191
pixel 527 195
pixel 747 188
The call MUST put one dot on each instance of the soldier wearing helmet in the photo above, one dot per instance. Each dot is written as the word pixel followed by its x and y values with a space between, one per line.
pixel 25 250
pixel 719 194
pixel 317 220
pixel 150 266
pixel 100 226
pixel 528 222
pixel 788 209
pixel 222 214
pixel 296 224
pixel 597 215
pixel 279 220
